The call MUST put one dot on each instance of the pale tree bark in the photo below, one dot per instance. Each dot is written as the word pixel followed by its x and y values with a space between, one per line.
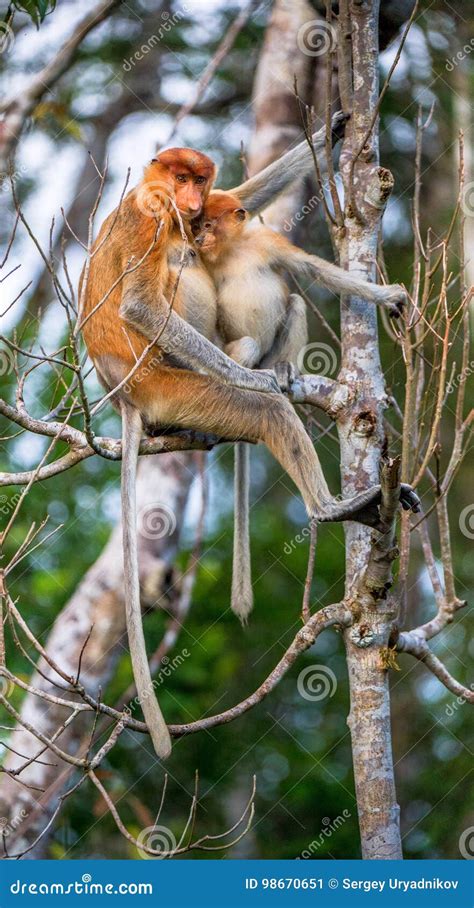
pixel 162 490
pixel 463 121
pixel 277 116
pixel 361 439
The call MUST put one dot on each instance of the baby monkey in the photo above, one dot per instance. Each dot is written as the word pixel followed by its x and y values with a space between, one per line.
pixel 263 324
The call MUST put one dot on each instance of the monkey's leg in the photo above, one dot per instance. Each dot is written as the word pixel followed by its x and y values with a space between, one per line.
pixel 194 401
pixel 245 351
pixel 179 338
pixel 131 434
pixel 292 336
pixel 392 297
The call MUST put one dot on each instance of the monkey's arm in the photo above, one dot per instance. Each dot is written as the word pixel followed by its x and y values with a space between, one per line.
pixel 177 337
pixel 257 192
pixel 391 297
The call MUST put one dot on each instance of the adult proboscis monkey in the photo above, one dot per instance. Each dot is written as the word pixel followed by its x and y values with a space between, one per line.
pixel 135 311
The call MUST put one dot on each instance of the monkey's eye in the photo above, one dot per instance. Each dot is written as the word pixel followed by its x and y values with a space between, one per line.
pixel 200 180
pixel 181 177
pixel 207 225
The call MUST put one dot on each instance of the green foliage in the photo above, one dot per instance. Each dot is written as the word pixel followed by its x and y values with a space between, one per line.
pixel 37 10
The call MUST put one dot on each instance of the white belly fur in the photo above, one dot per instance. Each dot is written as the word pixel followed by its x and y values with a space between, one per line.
pixel 251 303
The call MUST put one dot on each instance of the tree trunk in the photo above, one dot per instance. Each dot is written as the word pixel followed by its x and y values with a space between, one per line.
pixel 163 484
pixel 361 439
pixel 277 116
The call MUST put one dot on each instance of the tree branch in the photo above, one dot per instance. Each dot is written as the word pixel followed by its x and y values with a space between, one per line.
pixel 18 108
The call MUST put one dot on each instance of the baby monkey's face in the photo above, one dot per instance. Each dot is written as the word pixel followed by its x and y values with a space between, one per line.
pixel 215 232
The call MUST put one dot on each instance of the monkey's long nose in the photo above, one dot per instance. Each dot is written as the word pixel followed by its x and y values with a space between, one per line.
pixel 199 240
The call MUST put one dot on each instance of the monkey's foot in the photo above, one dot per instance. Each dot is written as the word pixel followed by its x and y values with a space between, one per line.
pixel 338 125
pixel 286 374
pixel 393 298
pixel 364 508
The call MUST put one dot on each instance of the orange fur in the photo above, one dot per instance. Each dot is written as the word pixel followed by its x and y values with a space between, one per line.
pixel 126 238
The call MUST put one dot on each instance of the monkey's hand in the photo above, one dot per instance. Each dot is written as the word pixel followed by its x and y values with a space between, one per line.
pixel 269 381
pixel 338 125
pixel 393 297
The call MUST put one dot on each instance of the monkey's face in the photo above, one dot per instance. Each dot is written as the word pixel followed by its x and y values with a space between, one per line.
pixel 190 191
pixel 184 177
pixel 214 235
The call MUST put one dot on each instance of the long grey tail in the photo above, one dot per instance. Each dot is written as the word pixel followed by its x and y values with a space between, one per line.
pixel 257 192
pixel 131 434
pixel 242 593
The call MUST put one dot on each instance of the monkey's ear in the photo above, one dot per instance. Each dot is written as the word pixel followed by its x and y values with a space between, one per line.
pixel 240 214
